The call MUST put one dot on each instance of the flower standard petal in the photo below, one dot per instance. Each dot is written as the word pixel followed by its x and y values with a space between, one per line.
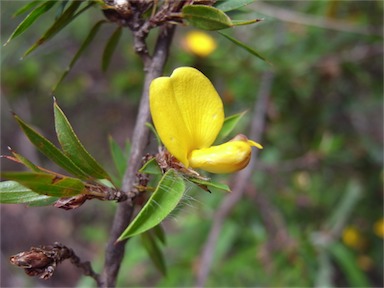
pixel 168 120
pixel 186 110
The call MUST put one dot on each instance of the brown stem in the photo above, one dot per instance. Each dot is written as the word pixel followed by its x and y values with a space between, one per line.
pixel 153 69
pixel 240 182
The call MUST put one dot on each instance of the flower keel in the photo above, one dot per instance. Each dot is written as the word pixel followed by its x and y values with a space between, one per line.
pixel 225 158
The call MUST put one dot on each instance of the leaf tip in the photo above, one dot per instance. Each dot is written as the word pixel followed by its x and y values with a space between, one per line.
pixel 119 240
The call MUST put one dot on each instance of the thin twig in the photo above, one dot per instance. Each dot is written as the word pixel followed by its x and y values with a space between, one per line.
pixel 115 250
pixel 240 181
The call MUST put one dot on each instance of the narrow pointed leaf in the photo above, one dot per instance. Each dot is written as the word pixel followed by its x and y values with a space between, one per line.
pixel 211 184
pixel 12 192
pixel 161 203
pixel 22 160
pixel 151 167
pixel 245 47
pixel 245 22
pixel 59 24
pixel 230 123
pixel 31 17
pixel 61 8
pixel 82 48
pixel 74 149
pixel 119 157
pixel 153 130
pixel 154 251
pixel 206 17
pixel 110 48
pixel 47 184
pixel 51 151
pixel 159 233
pixel 229 5
pixel 26 8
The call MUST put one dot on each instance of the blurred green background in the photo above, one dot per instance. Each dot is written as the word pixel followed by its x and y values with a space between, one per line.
pixel 312 214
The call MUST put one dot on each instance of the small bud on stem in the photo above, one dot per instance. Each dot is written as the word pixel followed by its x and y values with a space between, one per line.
pixel 42 261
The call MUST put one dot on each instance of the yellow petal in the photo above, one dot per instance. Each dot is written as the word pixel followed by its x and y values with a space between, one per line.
pixel 200 43
pixel 225 158
pixel 186 110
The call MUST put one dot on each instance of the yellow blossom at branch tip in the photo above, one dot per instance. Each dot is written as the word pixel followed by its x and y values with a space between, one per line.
pixel 200 43
pixel 188 115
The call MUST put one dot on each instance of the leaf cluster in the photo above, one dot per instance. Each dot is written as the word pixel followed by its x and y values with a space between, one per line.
pixel 204 17
pixel 49 186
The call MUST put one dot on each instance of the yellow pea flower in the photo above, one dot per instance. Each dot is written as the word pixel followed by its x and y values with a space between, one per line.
pixel 188 115
pixel 200 43
pixel 353 238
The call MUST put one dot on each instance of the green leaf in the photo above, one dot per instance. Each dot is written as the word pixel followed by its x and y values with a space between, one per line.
pixel 47 184
pixel 206 17
pixel 50 150
pixel 26 8
pixel 74 149
pixel 49 200
pixel 158 232
pixel 229 5
pixel 242 45
pixel 161 203
pixel 151 167
pixel 61 8
pixel 59 24
pixel 153 129
pixel 85 44
pixel 245 22
pixel 210 184
pixel 120 158
pixel 154 251
pixel 31 17
pixel 12 192
pixel 348 263
pixel 110 48
pixel 229 124
pixel 22 160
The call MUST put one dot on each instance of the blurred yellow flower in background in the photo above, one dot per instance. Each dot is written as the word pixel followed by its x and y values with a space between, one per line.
pixel 353 238
pixel 188 115
pixel 378 227
pixel 199 43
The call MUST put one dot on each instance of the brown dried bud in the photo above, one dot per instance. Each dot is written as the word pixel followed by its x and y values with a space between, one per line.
pixel 72 202
pixel 34 258
pixel 37 261
pixel 42 261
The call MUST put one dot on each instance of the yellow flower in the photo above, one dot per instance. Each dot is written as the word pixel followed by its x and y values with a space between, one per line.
pixel 353 238
pixel 378 227
pixel 200 43
pixel 188 115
